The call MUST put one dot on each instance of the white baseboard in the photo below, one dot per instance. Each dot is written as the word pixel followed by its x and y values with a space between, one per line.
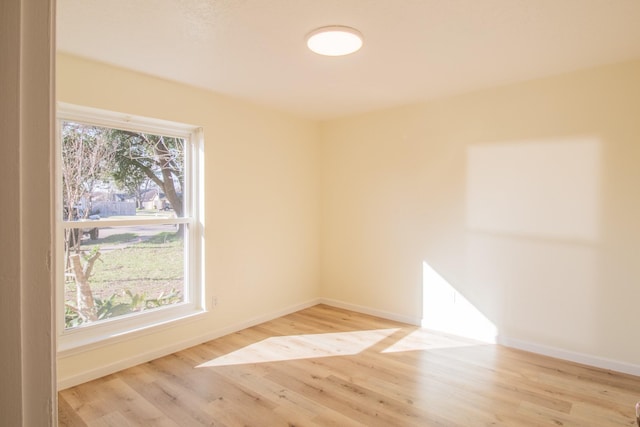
pixel 371 311
pixel 572 356
pixel 119 365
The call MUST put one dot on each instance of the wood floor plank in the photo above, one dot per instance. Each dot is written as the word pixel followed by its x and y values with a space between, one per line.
pixel 67 416
pixel 177 404
pixel 326 366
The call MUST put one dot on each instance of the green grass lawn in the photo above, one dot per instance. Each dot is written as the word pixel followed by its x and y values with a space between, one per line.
pixel 149 266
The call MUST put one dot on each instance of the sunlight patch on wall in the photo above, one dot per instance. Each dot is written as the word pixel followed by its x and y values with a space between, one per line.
pixel 292 347
pixel 547 188
pixel 445 309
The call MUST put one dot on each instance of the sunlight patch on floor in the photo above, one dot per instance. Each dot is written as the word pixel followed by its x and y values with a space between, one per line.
pixel 292 347
pixel 422 339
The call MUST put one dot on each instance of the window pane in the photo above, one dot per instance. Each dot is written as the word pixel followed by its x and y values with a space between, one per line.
pixel 119 173
pixel 122 270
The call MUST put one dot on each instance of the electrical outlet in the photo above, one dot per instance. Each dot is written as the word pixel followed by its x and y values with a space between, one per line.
pixel 214 302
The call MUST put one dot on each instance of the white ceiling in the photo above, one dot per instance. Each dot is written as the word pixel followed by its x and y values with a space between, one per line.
pixel 413 50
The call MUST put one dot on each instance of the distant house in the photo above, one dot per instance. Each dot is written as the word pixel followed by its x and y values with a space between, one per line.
pixel 153 199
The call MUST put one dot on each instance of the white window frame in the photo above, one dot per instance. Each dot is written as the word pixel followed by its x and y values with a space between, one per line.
pixel 128 326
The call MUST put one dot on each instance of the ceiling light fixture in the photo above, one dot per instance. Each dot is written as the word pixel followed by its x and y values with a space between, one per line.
pixel 335 40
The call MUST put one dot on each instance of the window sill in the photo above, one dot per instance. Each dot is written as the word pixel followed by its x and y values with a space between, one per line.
pixel 84 339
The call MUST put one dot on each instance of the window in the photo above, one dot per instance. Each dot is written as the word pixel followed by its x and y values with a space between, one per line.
pixel 129 233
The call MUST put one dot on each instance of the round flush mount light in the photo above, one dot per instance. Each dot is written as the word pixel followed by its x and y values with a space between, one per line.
pixel 335 40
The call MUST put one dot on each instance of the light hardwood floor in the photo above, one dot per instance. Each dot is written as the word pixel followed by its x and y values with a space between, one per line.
pixel 325 366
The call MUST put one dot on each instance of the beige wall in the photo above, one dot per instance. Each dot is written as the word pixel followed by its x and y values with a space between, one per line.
pixel 524 199
pixel 261 201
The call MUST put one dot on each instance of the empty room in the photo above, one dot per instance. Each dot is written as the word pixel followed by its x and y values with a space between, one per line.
pixel 321 213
